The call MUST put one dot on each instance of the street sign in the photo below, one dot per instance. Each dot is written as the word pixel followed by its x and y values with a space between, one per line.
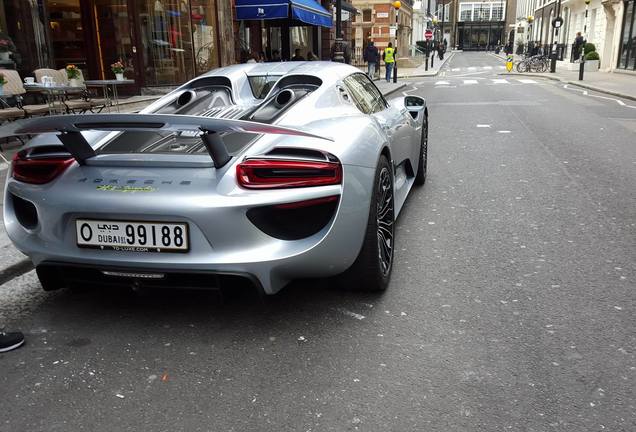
pixel 428 34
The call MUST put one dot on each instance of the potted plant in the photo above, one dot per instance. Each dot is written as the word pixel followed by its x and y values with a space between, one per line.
pixel 592 61
pixel 118 70
pixel 73 74
pixel 5 49
pixel 3 81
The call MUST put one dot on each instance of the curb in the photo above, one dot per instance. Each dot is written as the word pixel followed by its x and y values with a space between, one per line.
pixel 574 83
pixel 399 87
pixel 15 270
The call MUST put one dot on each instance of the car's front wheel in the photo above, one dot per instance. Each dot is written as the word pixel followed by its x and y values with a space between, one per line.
pixel 420 176
pixel 372 269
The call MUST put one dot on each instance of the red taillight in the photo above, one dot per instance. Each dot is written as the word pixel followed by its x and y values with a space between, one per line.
pixel 276 174
pixel 38 171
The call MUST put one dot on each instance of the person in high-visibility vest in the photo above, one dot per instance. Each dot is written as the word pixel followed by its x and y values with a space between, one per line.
pixel 388 55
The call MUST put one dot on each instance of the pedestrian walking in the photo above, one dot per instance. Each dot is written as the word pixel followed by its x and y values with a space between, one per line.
pixel 371 56
pixel 388 55
pixel 577 46
pixel 441 49
pixel 10 341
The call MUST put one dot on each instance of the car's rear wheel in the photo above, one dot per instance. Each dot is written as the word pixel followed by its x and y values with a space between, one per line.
pixel 420 176
pixel 372 269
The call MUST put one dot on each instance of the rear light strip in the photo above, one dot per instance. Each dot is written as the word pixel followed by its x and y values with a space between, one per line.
pixel 40 170
pixel 279 174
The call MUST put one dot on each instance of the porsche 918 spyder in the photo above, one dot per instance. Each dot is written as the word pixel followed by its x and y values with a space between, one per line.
pixel 272 172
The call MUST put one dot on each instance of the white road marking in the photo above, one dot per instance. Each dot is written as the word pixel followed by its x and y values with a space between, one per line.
pixel 500 81
pixel 472 68
pixel 527 81
pixel 483 125
pixel 585 93
pixel 487 67
pixel 469 74
pixel 3 166
pixel 503 132
pixel 442 83
pixel 455 69
pixel 469 82
pixel 501 67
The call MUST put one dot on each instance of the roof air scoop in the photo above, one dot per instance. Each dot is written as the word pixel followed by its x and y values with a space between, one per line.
pixel 284 97
pixel 186 97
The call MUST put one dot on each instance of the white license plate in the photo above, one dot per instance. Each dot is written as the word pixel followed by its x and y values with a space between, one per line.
pixel 127 236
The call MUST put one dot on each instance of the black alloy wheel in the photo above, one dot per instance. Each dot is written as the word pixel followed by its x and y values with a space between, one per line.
pixel 420 176
pixel 371 270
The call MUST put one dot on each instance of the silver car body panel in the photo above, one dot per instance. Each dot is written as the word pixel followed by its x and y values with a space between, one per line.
pixel 187 187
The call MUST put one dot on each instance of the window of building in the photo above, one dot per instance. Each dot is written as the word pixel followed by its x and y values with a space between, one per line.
pixel 481 12
pixel 366 15
pixel 497 12
pixel 465 11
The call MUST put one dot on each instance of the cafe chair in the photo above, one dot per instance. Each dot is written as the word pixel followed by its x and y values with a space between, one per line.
pixel 14 86
pixel 96 104
pixel 74 103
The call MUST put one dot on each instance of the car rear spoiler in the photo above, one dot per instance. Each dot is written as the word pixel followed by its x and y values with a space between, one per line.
pixel 69 128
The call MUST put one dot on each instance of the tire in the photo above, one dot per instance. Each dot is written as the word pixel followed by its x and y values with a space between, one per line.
pixel 521 67
pixel 420 176
pixel 371 270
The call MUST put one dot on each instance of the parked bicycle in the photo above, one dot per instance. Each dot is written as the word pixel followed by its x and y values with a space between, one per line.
pixel 537 63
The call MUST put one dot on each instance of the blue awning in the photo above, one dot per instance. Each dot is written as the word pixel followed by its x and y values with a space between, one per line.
pixel 307 11
pixel 310 12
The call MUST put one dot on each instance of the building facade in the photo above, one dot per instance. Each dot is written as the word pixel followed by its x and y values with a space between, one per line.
pixel 275 29
pixel 376 21
pixel 161 42
pixel 609 25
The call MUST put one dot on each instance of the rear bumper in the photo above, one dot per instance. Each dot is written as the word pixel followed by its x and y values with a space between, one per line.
pixel 222 239
pixel 60 274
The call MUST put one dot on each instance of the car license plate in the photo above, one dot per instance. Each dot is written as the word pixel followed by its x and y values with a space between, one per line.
pixel 128 236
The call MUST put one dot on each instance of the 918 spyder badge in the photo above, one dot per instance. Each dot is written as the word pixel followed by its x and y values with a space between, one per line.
pixel 125 189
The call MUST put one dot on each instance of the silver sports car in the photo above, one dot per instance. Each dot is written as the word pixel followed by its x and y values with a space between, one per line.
pixel 271 172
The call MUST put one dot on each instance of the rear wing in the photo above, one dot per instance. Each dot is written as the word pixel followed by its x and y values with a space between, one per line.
pixel 70 128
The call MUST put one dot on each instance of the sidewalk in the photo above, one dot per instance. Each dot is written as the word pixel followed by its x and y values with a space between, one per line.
pixel 613 83
pixel 421 71
pixel 387 88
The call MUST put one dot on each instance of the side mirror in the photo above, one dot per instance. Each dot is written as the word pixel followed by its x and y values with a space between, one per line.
pixel 415 105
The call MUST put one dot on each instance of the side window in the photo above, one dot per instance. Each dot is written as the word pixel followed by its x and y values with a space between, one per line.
pixel 365 95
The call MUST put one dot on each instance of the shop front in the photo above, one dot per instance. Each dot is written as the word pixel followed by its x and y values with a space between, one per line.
pixel 473 36
pixel 276 29
pixel 627 50
pixel 160 42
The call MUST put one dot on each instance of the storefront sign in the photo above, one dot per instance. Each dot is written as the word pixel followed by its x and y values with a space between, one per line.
pixel 382 15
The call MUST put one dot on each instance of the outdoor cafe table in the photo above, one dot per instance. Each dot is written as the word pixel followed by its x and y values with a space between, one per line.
pixel 104 84
pixel 53 93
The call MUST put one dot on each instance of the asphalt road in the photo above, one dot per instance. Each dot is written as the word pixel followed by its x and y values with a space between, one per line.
pixel 511 305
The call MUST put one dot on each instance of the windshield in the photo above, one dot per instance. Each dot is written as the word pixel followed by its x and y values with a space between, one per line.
pixel 262 84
